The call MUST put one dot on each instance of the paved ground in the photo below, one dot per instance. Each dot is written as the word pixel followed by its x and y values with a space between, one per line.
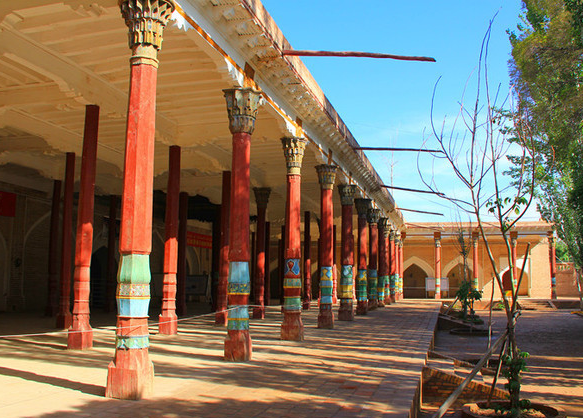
pixel 554 340
pixel 366 368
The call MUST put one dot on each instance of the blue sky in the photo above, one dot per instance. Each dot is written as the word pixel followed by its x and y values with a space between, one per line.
pixel 387 102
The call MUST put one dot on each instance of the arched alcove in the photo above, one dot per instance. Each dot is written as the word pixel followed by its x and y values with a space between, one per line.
pixel 455 276
pixel 98 275
pixel 414 282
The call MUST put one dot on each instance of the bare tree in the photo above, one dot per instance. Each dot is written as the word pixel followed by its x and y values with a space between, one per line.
pixel 475 146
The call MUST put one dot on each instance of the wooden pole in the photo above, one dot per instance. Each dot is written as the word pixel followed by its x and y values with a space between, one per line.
pixel 456 393
pixel 355 54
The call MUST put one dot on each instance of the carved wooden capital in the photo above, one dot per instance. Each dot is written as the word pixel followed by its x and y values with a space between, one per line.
pixel 146 20
pixel 362 206
pixel 242 106
pixel 326 175
pixel 293 150
pixel 262 196
pixel 385 226
pixel 347 193
pixel 373 216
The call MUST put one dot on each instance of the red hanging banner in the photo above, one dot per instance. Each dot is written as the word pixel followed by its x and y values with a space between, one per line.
pixel 194 239
pixel 7 204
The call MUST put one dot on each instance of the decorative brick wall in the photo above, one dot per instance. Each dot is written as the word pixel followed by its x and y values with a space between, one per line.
pixel 438 385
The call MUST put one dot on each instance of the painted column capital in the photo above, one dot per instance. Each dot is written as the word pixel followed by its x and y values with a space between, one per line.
pixel 392 235
pixel 146 20
pixel 437 238
pixel 347 193
pixel 513 238
pixel 362 206
pixel 293 150
pixel 242 106
pixel 551 238
pixel 326 175
pixel 385 226
pixel 373 216
pixel 262 196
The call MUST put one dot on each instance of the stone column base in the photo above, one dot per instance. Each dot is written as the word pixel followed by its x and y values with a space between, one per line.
pixel 346 312
pixel 292 327
pixel 130 375
pixel 259 312
pixel 362 307
pixel 64 321
pixel 80 335
pixel 238 346
pixel 326 317
pixel 168 324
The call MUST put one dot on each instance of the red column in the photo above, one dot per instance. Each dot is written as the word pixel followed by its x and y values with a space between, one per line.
pixel 346 310
pixel 362 207
pixel 111 265
pixel 334 269
pixel 437 239
pixel 553 262
pixel 267 294
pixel 292 327
pixel 513 244
pixel 221 314
pixel 476 261
pixel 53 270
pixel 131 373
pixel 393 281
pixel 383 270
pixel 326 177
pixel 401 265
pixel 181 260
pixel 242 105
pixel 307 262
pixel 261 198
pixel 373 216
pixel 64 317
pixel 168 324
pixel 80 333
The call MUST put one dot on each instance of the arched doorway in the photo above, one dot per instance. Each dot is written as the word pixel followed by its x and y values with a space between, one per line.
pixel 98 275
pixel 414 282
pixel 456 276
pixel 507 283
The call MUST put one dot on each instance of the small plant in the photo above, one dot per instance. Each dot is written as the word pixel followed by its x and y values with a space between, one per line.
pixel 467 296
pixel 512 367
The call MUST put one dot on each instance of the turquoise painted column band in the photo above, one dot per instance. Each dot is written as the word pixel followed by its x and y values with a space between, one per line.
pixel 393 284
pixel 361 285
pixel 383 280
pixel 238 285
pixel 326 285
pixel 132 342
pixel 238 274
pixel 346 282
pixel 292 286
pixel 133 289
pixel 372 280
pixel 238 318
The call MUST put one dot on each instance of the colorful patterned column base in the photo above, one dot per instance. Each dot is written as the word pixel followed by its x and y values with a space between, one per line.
pixel 437 288
pixel 393 287
pixel 399 287
pixel 326 317
pixel 381 291
pixel 372 280
pixel 345 291
pixel 361 297
pixel 238 342
pixel 131 373
pixel 292 328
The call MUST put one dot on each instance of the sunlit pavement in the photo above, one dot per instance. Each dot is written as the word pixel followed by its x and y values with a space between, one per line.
pixel 366 368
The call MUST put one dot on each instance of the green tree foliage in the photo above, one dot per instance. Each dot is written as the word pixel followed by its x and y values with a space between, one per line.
pixel 547 71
